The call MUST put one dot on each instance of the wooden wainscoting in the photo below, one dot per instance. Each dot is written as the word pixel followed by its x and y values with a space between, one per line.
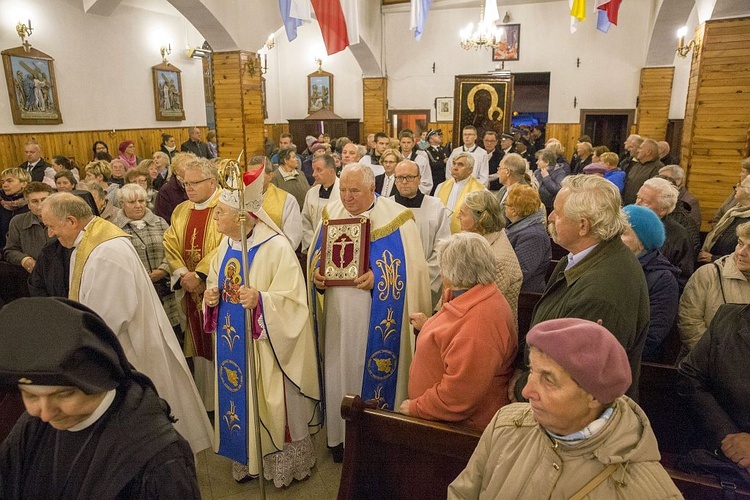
pixel 566 133
pixel 78 144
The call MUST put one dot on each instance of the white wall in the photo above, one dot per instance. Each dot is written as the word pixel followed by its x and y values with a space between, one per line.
pixel 103 64
pixel 607 78
pixel 289 64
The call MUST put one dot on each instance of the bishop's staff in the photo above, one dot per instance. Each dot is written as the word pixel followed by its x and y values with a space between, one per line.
pixel 232 178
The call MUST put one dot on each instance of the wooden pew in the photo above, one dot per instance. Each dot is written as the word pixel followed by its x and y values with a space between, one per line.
pixel 675 431
pixel 389 455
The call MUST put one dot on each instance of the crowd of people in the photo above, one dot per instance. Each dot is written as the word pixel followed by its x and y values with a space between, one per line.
pixel 149 257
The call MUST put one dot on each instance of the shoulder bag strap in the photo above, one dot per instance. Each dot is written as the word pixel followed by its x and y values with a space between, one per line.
pixel 721 283
pixel 598 479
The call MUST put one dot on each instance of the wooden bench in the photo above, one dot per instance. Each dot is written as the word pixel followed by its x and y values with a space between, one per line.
pixel 389 455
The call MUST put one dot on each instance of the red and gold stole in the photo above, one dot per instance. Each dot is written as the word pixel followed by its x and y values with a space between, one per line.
pixel 192 254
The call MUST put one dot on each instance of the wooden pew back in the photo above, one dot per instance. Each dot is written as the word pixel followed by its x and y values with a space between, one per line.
pixel 389 455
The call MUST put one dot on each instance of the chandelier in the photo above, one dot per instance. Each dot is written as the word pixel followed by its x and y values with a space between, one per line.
pixel 486 35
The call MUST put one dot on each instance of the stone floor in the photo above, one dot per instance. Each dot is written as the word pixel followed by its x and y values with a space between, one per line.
pixel 215 478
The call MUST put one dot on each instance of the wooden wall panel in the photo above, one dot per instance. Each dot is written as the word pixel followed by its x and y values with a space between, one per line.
pixel 238 105
pixel 446 127
pixel 717 116
pixel 252 109
pixel 78 144
pixel 654 98
pixel 375 108
pixel 566 133
pixel 228 103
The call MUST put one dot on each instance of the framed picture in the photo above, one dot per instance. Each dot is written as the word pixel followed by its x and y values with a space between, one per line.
pixel 319 91
pixel 510 43
pixel 32 87
pixel 444 109
pixel 168 93
pixel 483 101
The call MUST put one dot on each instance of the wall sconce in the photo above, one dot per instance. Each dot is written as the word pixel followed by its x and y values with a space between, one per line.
pixel 319 62
pixel 198 53
pixel 24 30
pixel 682 49
pixel 254 64
pixel 165 50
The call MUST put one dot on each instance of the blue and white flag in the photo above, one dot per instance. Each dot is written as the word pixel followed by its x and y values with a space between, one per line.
pixel 419 10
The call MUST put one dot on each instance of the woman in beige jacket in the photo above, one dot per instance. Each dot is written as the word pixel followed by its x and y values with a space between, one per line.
pixel 721 282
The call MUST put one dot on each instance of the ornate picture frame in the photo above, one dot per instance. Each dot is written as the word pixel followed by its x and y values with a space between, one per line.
pixel 510 46
pixel 483 101
pixel 444 109
pixel 32 87
pixel 319 91
pixel 168 94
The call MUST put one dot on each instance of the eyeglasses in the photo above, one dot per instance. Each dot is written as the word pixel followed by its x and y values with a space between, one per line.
pixel 194 184
pixel 406 178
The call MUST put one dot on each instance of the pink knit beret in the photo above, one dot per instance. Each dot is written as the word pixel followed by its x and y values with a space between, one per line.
pixel 590 354
pixel 124 145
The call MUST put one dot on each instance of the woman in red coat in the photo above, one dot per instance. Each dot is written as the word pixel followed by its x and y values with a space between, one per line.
pixel 465 352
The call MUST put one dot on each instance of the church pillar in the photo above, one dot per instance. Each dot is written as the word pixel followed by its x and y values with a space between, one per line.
pixel 375 104
pixel 654 97
pixel 714 139
pixel 238 102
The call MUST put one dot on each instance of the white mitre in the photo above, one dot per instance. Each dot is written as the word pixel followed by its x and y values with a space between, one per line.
pixel 253 196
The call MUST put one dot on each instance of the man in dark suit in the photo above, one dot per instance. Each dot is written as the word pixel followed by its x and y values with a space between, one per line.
pixel 194 144
pixel 34 163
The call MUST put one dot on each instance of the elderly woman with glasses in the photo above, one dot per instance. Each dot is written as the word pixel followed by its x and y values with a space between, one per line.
pixel 480 213
pixel 475 327
pixel 147 232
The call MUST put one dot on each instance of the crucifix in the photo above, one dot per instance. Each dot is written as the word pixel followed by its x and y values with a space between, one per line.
pixel 342 243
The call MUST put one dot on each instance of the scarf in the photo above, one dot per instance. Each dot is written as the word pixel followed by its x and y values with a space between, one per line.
pixel 130 161
pixel 726 221
pixel 13 202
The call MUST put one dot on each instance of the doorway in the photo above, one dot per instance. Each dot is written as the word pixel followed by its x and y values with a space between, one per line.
pixel 607 127
pixel 414 119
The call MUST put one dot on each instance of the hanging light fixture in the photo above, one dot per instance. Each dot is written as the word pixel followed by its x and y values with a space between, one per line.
pixel 485 36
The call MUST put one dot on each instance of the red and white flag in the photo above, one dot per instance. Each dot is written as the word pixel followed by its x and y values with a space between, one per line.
pixel 339 23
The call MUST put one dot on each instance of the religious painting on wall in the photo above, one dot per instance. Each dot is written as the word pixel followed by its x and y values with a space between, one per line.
pixel 32 88
pixel 483 101
pixel 319 91
pixel 168 93
pixel 444 109
pixel 510 43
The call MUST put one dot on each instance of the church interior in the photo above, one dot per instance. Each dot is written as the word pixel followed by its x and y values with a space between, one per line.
pixel 237 73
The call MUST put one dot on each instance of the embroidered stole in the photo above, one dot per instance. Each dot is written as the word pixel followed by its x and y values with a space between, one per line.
pixel 388 264
pixel 192 254
pixel 231 356
pixel 97 232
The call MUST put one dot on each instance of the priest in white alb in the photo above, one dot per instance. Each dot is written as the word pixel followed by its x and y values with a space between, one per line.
pixel 325 190
pixel 107 276
pixel 363 330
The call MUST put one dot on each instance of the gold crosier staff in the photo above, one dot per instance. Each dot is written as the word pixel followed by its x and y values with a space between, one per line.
pixel 231 179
